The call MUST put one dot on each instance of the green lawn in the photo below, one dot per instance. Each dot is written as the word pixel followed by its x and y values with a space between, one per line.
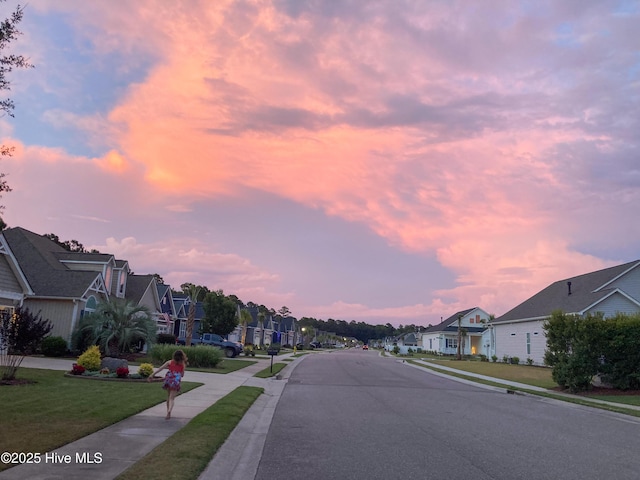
pixel 187 453
pixel 536 376
pixel 56 410
pixel 225 366
pixel 270 372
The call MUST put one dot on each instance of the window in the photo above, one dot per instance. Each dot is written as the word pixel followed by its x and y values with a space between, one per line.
pixel 183 329
pixel 91 304
pixel 451 343
pixel 430 344
pixel 528 344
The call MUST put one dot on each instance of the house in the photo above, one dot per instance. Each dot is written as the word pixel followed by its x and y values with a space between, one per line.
pixel 443 338
pixel 167 307
pixel 142 290
pixel 519 332
pixel 13 283
pixel 59 284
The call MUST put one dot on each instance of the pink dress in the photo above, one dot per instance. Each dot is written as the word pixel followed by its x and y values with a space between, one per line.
pixel 173 377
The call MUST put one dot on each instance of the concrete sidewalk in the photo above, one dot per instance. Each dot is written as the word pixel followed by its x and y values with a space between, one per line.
pixel 117 447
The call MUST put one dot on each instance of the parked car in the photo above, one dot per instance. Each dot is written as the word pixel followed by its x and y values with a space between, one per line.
pixel 231 349
pixel 365 347
pixel 315 345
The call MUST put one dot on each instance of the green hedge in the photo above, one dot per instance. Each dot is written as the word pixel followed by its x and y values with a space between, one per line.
pixel 579 348
pixel 199 356
pixel 53 346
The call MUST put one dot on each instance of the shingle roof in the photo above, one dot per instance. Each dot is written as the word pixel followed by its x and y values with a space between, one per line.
pixel 136 286
pixel 441 327
pixel 586 290
pixel 38 258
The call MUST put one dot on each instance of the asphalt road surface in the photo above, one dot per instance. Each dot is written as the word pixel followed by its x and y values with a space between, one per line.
pixel 355 415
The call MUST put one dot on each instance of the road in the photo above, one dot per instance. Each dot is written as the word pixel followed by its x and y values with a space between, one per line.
pixel 355 415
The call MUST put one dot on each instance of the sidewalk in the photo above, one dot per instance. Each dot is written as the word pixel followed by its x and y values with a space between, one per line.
pixel 124 443
pixel 509 383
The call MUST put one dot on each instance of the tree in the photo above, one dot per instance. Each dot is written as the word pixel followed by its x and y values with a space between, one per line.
pixel 8 33
pixel 21 334
pixel 159 279
pixel 245 320
pixel 69 245
pixel 220 313
pixel 116 326
pixel 284 312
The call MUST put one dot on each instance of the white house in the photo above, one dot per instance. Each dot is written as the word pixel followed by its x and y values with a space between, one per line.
pixel 519 333
pixel 443 338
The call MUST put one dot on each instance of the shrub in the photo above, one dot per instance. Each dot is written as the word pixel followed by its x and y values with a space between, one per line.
pixel 105 371
pixel 90 359
pixel 122 372
pixel 200 356
pixel 396 349
pixel 166 338
pixel 145 370
pixel 529 361
pixel 483 358
pixel 505 359
pixel 54 347
pixel 410 350
pixel 494 358
pixel 77 369
pixel 515 360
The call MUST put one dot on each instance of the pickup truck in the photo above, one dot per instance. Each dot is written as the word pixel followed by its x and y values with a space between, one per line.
pixel 231 349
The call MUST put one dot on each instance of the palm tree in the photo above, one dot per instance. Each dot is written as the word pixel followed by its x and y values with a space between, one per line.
pixel 116 325
pixel 245 319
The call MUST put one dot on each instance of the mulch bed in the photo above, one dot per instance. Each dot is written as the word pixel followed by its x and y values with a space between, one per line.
pixel 17 381
pixel 602 391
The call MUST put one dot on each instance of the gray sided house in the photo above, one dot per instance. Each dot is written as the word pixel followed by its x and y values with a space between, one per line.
pixel 62 285
pixel 519 333
pixel 142 290
pixel 443 338
pixel 14 286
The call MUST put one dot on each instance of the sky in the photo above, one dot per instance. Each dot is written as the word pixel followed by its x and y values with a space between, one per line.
pixel 378 161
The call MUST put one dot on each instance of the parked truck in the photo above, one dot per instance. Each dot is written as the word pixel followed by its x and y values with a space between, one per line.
pixel 231 349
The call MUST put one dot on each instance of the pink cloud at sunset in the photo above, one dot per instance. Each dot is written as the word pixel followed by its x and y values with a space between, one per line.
pixel 390 161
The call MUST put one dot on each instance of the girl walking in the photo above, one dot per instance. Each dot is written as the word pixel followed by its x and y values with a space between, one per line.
pixel 173 377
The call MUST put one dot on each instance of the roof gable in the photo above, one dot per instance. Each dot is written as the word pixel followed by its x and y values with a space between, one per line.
pixel 37 257
pixel 572 295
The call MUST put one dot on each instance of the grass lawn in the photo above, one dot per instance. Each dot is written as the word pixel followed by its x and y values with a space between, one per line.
pixel 267 372
pixel 56 410
pixel 536 376
pixel 187 453
pixel 225 366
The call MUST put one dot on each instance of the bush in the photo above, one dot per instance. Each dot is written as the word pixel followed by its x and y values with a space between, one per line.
pixel 145 370
pixel 494 358
pixel 515 360
pixel 54 347
pixel 167 338
pixel 529 361
pixel 396 349
pixel 200 356
pixel 90 359
pixel 418 350
pixel 122 372
pixel 505 359
pixel 409 350
pixel 483 358
pixel 77 369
